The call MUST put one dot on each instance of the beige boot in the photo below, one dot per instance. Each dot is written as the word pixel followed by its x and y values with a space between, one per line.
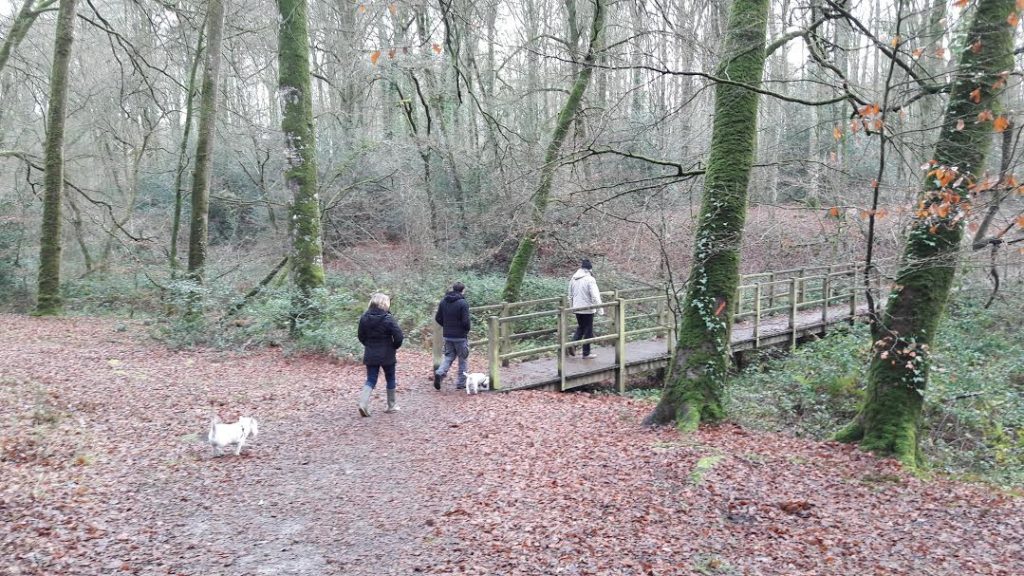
pixel 364 401
pixel 392 405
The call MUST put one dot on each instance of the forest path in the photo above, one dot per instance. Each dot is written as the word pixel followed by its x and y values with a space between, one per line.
pixel 103 472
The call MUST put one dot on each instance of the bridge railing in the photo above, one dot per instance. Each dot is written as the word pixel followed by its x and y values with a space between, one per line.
pixel 544 327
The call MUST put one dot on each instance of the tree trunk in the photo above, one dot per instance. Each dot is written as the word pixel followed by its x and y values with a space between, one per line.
pixel 693 390
pixel 295 93
pixel 19 28
pixel 889 420
pixel 199 224
pixel 49 299
pixel 521 259
pixel 179 173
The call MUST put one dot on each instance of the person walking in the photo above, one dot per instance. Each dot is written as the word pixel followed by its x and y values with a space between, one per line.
pixel 453 316
pixel 583 292
pixel 380 335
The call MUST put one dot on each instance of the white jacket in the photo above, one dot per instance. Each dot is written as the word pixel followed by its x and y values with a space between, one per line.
pixel 583 292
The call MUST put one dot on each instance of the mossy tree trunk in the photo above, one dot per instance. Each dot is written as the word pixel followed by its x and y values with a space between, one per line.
pixel 49 300
pixel 295 93
pixel 199 223
pixel 889 420
pixel 693 391
pixel 527 245
pixel 179 173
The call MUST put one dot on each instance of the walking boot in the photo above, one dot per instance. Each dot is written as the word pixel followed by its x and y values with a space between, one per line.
pixel 437 381
pixel 364 401
pixel 392 403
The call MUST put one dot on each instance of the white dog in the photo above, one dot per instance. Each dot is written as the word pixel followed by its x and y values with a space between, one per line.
pixel 222 434
pixel 477 381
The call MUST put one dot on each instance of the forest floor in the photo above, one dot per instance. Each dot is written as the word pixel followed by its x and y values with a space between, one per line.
pixel 103 471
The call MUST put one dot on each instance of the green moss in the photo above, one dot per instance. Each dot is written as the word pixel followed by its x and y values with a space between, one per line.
pixel 694 392
pixel 49 300
pixel 300 151
pixel 899 370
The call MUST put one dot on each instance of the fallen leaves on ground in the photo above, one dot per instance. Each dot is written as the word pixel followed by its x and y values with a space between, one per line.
pixel 104 472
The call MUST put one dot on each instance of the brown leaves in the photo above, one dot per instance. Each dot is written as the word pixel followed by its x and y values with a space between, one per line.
pixel 515 484
pixel 975 95
pixel 1000 124
pixel 374 56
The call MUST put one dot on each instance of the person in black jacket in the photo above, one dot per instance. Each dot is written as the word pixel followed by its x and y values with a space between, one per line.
pixel 453 316
pixel 380 336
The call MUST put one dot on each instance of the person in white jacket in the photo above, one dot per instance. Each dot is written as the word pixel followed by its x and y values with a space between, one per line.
pixel 583 292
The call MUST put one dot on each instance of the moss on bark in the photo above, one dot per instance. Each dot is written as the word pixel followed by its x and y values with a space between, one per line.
pixel 295 93
pixel 694 388
pixel 889 420
pixel 49 301
pixel 527 245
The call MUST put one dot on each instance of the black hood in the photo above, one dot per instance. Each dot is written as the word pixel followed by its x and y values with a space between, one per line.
pixel 453 297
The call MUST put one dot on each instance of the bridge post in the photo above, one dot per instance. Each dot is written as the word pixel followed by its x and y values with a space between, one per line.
pixel 853 295
pixel 826 287
pixel 670 321
pixel 803 285
pixel 757 315
pixel 494 352
pixel 561 344
pixel 771 293
pixel 793 305
pixel 620 345
pixel 505 331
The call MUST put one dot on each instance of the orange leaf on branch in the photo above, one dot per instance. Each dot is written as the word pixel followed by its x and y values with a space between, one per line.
pixel 959 124
pixel 837 133
pixel 976 95
pixel 1020 221
pixel 374 57
pixel 960 3
pixel 1013 19
pixel 833 212
pixel 976 46
pixel 1000 124
pixel 985 116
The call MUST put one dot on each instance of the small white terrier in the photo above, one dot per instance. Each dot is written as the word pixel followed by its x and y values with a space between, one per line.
pixel 222 434
pixel 477 381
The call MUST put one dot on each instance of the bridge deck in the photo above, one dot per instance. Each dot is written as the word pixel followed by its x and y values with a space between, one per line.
pixel 646 355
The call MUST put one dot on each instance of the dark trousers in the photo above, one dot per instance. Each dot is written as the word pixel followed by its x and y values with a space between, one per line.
pixel 584 329
pixel 372 372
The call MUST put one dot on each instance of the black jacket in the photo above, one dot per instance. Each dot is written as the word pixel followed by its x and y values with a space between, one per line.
pixel 380 335
pixel 453 315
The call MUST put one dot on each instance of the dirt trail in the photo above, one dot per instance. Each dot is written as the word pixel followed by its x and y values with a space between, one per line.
pixel 103 473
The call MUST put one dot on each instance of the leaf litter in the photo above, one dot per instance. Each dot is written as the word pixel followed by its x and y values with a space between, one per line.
pixel 103 471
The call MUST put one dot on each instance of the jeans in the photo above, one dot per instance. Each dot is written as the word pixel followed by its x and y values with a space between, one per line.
pixel 455 347
pixel 584 329
pixel 372 372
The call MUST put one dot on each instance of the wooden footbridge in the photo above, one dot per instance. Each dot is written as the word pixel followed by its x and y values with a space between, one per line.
pixel 526 342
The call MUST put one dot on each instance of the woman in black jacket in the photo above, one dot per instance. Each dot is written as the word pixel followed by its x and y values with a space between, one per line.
pixel 380 336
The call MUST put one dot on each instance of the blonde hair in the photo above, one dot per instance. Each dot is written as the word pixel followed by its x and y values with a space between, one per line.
pixel 380 300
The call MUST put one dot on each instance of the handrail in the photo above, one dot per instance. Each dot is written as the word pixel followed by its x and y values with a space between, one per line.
pixel 757 297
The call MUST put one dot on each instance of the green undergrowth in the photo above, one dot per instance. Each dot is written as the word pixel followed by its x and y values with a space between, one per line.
pixel 974 404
